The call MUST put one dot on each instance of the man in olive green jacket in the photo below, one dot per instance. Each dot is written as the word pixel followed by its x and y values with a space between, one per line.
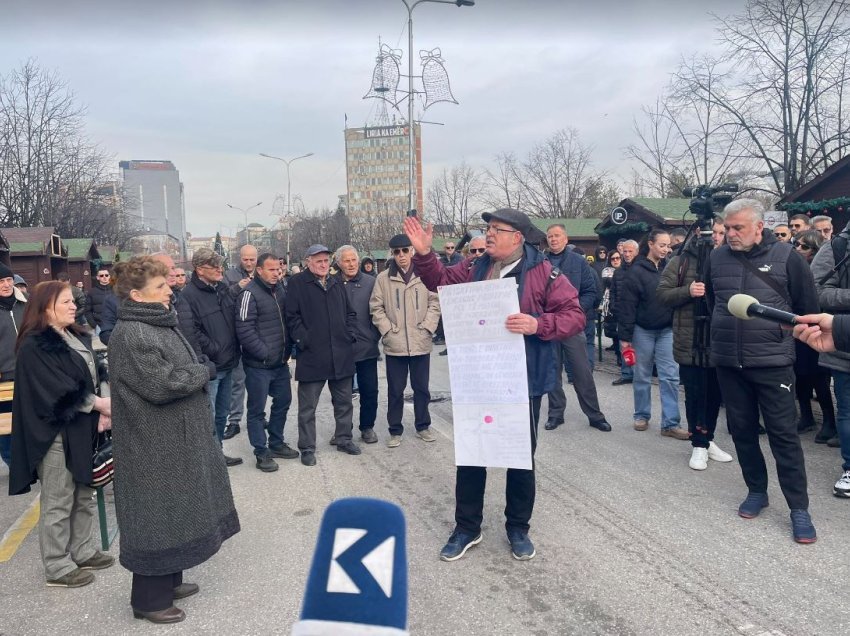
pixel 406 314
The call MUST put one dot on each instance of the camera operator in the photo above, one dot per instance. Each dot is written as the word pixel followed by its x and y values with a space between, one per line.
pixel 683 289
pixel 755 358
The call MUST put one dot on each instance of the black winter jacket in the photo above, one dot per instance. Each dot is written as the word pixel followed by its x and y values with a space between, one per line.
pixel 367 335
pixel 10 323
pixel 636 302
pixel 321 322
pixel 261 325
pixel 757 342
pixel 207 320
pixel 94 309
pixel 581 275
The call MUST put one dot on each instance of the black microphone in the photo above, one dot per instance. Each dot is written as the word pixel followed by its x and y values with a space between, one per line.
pixel 746 307
pixel 357 584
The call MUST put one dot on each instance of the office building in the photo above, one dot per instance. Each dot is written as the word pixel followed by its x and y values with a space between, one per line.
pixel 154 197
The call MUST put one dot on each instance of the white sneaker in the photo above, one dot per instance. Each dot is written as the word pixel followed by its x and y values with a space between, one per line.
pixel 699 458
pixel 842 486
pixel 714 453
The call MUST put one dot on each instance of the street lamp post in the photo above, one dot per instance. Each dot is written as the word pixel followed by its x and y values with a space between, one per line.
pixel 286 162
pixel 411 166
pixel 245 212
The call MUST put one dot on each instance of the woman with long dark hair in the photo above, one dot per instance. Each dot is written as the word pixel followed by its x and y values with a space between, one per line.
pixel 647 324
pixel 172 493
pixel 56 413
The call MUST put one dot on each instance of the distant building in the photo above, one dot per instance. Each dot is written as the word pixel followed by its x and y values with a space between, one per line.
pixel 152 242
pixel 154 196
pixel 376 163
pixel 257 235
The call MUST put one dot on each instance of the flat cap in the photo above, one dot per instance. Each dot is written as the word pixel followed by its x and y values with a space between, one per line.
pixel 317 248
pixel 516 219
pixel 399 240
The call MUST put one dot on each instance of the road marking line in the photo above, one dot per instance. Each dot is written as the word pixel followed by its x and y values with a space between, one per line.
pixel 15 535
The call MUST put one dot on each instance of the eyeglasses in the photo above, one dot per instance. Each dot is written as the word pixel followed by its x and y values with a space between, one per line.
pixel 780 234
pixel 479 250
pixel 400 250
pixel 449 247
pixel 181 275
pixel 615 258
pixel 493 228
pixel 103 275
pixel 803 246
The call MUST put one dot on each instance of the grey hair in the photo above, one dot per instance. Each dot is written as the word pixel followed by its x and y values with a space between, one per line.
pixel 345 248
pixel 821 217
pixel 632 243
pixel 755 206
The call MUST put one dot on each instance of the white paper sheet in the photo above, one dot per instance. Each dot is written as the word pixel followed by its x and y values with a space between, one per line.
pixel 488 375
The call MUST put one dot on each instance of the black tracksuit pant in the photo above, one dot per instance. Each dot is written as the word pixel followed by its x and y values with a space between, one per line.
pixel 520 489
pixel 745 392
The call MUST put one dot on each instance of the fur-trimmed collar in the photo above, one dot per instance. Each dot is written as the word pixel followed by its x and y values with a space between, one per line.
pixel 51 341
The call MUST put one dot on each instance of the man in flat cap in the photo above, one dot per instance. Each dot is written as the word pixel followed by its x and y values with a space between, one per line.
pixel 549 311
pixel 406 314
pixel 322 324
pixel 207 319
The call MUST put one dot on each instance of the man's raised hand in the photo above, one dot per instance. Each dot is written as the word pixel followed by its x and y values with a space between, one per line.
pixel 421 239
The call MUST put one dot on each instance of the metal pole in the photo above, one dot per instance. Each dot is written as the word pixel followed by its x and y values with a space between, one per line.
pixel 410 94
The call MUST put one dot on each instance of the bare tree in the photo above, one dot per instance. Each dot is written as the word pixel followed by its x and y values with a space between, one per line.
pixel 503 189
pixel 50 174
pixel 557 178
pixel 786 64
pixel 454 199
pixel 326 227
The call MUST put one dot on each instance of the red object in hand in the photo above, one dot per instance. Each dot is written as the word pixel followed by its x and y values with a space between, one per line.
pixel 629 356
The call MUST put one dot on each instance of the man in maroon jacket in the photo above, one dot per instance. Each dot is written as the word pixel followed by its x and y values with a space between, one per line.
pixel 549 311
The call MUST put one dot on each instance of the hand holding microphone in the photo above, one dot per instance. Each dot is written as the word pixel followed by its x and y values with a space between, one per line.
pixel 747 307
pixel 816 332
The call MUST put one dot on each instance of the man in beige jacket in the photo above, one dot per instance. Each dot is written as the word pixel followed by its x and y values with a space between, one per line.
pixel 406 314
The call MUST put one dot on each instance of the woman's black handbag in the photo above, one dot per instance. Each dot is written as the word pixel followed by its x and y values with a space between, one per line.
pixel 102 467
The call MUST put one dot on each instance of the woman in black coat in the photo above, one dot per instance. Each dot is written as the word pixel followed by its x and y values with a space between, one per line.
pixel 172 494
pixel 55 415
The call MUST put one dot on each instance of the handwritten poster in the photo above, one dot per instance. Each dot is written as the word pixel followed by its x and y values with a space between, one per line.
pixel 487 374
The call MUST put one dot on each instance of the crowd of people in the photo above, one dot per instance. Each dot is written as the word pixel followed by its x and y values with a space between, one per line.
pixel 192 355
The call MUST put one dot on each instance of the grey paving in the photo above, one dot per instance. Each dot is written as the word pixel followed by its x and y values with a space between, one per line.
pixel 629 539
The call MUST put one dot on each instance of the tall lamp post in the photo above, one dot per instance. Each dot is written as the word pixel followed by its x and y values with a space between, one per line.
pixel 288 192
pixel 411 167
pixel 245 212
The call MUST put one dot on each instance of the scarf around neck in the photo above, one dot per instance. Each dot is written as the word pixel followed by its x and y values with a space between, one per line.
pixel 511 258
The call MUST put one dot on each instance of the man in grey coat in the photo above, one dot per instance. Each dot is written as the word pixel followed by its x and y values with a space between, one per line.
pixel 359 287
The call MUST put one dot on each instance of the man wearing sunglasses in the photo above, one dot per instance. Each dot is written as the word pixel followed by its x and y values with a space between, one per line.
pixel 783 233
pixel 97 296
pixel 799 223
pixel 477 247
pixel 549 311
pixel 406 314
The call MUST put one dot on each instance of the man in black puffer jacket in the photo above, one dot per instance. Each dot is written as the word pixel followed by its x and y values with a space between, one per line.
pixel 98 293
pixel 755 358
pixel 205 312
pixel 261 330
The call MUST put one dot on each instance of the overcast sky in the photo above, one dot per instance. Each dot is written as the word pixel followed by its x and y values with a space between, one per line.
pixel 209 85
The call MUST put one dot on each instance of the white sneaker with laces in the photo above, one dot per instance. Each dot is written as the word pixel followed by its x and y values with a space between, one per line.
pixel 714 453
pixel 842 486
pixel 699 458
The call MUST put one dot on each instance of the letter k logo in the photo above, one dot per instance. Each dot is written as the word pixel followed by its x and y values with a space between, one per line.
pixel 378 562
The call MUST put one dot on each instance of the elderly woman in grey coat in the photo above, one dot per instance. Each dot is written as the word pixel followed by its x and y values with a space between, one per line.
pixel 172 492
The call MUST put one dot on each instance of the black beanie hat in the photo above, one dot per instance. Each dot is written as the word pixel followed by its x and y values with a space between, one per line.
pixel 5 272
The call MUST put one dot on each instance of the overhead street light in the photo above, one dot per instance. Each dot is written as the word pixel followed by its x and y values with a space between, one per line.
pixel 287 162
pixel 411 204
pixel 245 212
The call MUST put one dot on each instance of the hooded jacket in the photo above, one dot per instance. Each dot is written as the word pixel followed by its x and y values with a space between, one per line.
pixel 553 302
pixel 406 314
pixel 834 298
pixel 674 292
pixel 636 303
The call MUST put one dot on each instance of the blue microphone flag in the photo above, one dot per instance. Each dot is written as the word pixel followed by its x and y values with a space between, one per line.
pixel 358 578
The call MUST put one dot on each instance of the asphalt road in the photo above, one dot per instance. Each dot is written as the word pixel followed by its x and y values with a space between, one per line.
pixel 629 541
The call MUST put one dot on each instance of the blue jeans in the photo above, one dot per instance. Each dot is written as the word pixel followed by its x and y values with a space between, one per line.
pixel 842 415
pixel 261 384
pixel 655 346
pixel 6 449
pixel 220 391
